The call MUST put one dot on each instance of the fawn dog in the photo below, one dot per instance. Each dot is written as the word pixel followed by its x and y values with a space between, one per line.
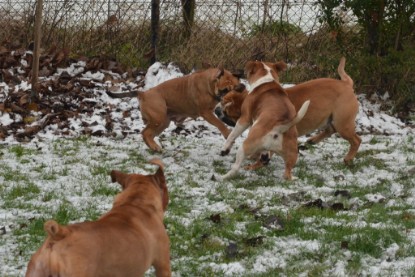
pixel 271 116
pixel 333 108
pixel 125 241
pixel 175 100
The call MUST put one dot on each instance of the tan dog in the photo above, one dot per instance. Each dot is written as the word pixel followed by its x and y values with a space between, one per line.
pixel 175 100
pixel 333 108
pixel 272 116
pixel 126 241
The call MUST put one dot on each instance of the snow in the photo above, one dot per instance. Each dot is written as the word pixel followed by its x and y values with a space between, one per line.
pixel 204 145
pixel 5 119
pixel 158 73
pixel 73 70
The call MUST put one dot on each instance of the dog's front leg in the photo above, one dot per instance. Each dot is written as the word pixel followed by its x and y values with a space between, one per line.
pixel 240 127
pixel 212 119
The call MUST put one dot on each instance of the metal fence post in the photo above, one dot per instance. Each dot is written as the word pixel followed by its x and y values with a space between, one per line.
pixel 155 27
pixel 36 50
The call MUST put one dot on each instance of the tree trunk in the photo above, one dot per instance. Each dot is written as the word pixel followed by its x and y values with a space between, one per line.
pixel 374 20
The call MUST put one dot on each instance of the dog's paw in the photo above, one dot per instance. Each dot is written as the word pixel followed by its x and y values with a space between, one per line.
pixel 224 152
pixel 156 149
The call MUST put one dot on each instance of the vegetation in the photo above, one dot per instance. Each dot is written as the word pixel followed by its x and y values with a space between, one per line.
pixel 386 62
pixel 276 28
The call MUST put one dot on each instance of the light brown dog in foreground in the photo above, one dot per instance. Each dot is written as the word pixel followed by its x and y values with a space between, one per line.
pixel 333 108
pixel 272 117
pixel 175 100
pixel 126 241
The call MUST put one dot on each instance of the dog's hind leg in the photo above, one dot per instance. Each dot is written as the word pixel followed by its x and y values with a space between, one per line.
pixel 354 140
pixel 325 133
pixel 290 155
pixel 251 147
pixel 261 161
pixel 148 135
pixel 344 123
pixel 151 131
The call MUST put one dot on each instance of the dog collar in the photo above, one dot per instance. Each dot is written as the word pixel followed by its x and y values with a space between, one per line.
pixel 265 79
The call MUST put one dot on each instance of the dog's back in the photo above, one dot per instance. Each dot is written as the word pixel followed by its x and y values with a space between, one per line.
pixel 271 102
pixel 126 241
pixel 329 97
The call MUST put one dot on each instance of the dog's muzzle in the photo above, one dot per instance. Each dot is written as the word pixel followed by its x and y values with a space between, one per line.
pixel 223 92
pixel 222 116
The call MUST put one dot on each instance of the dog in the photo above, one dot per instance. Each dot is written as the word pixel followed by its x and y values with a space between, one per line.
pixel 272 117
pixel 175 100
pixel 126 241
pixel 333 108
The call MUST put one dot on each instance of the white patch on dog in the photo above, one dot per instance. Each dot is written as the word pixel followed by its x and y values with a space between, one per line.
pixel 273 140
pixel 265 79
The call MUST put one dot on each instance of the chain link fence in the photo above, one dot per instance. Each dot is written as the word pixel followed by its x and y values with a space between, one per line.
pixel 228 32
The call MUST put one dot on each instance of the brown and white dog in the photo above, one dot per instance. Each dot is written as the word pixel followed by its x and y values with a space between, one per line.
pixel 126 241
pixel 333 108
pixel 272 116
pixel 175 100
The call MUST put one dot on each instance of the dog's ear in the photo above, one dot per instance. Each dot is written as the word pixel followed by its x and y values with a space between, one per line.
pixel 279 66
pixel 220 72
pixel 120 177
pixel 55 231
pixel 249 68
pixel 160 179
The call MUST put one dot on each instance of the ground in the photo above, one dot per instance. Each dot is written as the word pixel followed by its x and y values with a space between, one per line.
pixel 333 220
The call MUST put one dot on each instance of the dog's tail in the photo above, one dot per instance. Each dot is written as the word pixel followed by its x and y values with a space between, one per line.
pixel 297 118
pixel 343 75
pixel 133 93
pixel 55 231
pixel 161 181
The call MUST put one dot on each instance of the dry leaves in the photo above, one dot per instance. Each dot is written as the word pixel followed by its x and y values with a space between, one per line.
pixel 59 95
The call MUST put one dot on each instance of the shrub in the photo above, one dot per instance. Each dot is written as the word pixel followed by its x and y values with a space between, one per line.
pixel 276 28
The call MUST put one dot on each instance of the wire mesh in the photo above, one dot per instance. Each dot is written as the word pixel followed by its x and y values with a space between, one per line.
pixel 224 31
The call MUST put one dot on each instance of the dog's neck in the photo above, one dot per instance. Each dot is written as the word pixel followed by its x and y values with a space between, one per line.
pixel 264 79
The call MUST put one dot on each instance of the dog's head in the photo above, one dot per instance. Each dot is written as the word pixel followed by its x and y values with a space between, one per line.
pixel 137 187
pixel 225 81
pixel 229 108
pixel 255 70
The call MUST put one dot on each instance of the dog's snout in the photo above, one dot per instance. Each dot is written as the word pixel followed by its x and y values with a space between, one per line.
pixel 218 111
pixel 223 92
